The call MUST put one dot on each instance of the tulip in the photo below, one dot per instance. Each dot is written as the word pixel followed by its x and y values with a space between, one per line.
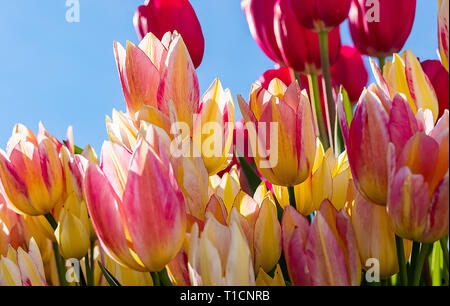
pixel 31 173
pixel 13 230
pixel 443 26
pixel 161 16
pixel 260 16
pixel 213 129
pixel 405 75
pixel 320 15
pixel 281 73
pixel 350 72
pixel 140 229
pixel 20 268
pixel 375 236
pixel 323 253
pixel 439 78
pixel 419 184
pixel 220 255
pixel 226 188
pixel 286 111
pixel 381 28
pixel 263 279
pixel 329 180
pixel 299 46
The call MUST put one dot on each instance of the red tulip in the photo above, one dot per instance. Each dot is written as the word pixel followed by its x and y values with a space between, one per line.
pixel 260 16
pixel 161 16
pixel 298 45
pixel 350 72
pixel 281 73
pixel 382 28
pixel 319 15
pixel 439 78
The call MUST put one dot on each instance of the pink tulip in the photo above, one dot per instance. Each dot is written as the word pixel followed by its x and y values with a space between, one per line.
pixel 260 16
pixel 321 254
pixel 299 46
pixel 281 73
pixel 439 78
pixel 350 72
pixel 136 206
pixel 383 27
pixel 162 16
pixel 319 15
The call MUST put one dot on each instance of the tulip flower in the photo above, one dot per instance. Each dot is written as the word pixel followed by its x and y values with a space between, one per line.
pixel 20 268
pixel 320 15
pixel 439 78
pixel 260 16
pixel 329 180
pixel 226 187
pixel 281 73
pixel 381 28
pixel 213 129
pixel 13 230
pixel 350 72
pixel 375 236
pixel 405 75
pixel 220 255
pixel 299 46
pixel 419 184
pixel 31 173
pixel 162 16
pixel 140 229
pixel 263 279
pixel 443 28
pixel 323 253
pixel 284 116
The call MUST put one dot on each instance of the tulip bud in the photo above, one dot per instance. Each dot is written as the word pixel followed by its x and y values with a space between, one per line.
pixel 320 15
pixel 260 16
pixel 299 46
pixel 381 28
pixel 350 72
pixel 283 134
pixel 161 16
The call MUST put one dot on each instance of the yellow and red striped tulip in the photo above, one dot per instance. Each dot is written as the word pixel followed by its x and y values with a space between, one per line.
pixel 136 206
pixel 323 253
pixel 20 268
pixel 443 31
pixel 289 110
pixel 13 230
pixel 213 128
pixel 375 236
pixel 419 184
pixel 31 174
pixel 220 255
pixel 404 74
pixel 263 279
pixel 226 187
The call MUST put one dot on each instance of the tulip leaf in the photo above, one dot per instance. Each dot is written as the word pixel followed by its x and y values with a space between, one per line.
pixel 347 106
pixel 252 178
pixel 112 281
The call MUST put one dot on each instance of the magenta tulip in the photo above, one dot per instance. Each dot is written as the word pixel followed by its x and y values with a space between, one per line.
pixel 381 28
pixel 439 78
pixel 161 16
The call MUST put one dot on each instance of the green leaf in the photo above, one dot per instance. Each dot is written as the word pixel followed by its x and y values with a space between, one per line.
pixel 252 178
pixel 436 264
pixel 347 106
pixel 112 281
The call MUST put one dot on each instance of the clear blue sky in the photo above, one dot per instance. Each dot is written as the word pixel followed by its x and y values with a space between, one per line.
pixel 64 73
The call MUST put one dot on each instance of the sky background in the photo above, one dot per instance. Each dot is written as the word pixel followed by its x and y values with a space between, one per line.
pixel 64 73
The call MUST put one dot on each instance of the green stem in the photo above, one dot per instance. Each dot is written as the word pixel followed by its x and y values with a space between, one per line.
pixel 401 261
pixel 58 259
pixel 443 242
pixel 323 40
pixel 414 254
pixel 314 89
pixel 164 278
pixel 292 197
pixel 419 263
pixel 381 62
pixel 155 277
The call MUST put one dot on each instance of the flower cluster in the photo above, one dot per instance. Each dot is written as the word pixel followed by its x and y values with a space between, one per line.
pixel 323 182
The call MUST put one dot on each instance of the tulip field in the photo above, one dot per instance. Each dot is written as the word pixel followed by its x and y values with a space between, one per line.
pixel 317 178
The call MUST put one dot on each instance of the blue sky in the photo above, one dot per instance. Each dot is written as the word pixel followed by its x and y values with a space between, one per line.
pixel 64 73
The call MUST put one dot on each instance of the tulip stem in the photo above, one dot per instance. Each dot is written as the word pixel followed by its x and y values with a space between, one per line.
pixel 414 254
pixel 155 277
pixel 324 55
pixel 58 259
pixel 443 242
pixel 292 197
pixel 424 251
pixel 314 89
pixel 401 261
pixel 381 62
